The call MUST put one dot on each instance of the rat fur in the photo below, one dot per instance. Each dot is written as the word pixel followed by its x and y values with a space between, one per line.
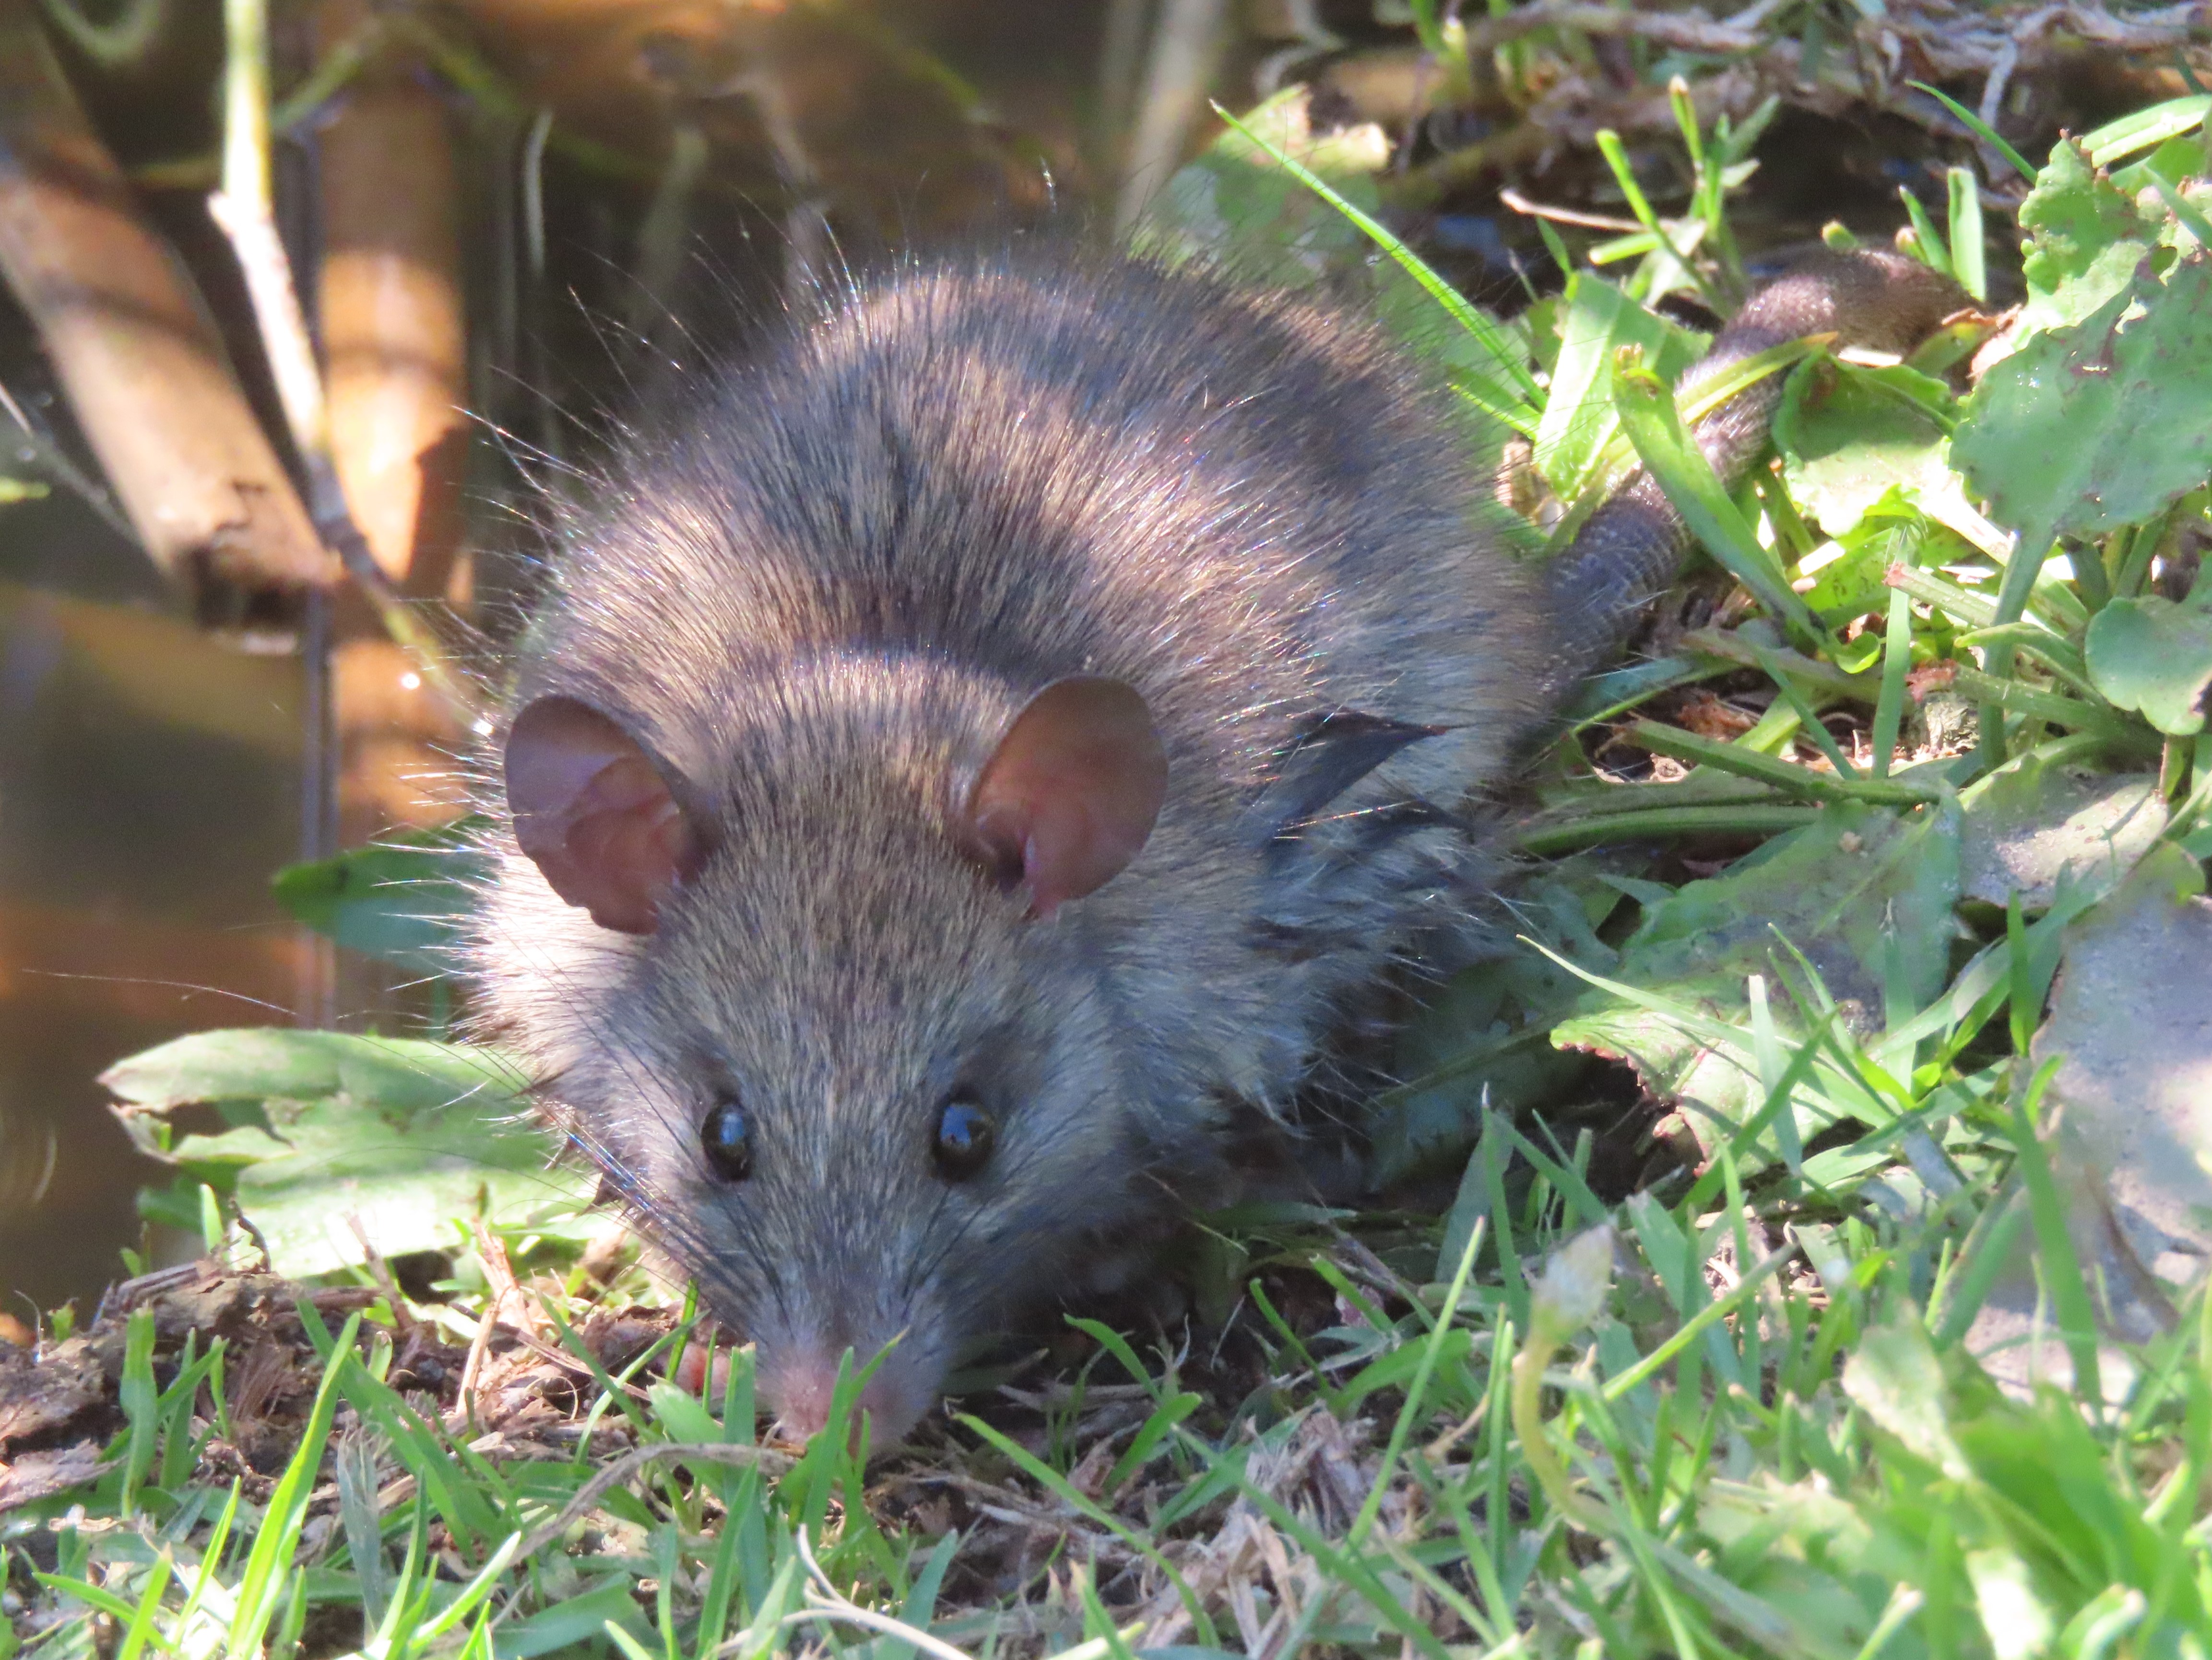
pixel 984 746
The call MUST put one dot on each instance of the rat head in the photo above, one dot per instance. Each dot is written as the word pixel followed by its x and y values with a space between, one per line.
pixel 864 1079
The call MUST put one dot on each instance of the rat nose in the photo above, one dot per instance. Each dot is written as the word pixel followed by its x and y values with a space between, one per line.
pixel 799 1383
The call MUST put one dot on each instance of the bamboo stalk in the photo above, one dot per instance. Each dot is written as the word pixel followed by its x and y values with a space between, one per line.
pixel 392 321
pixel 244 209
pixel 144 370
pixel 390 306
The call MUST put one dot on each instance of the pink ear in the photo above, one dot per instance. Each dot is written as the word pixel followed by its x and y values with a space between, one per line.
pixel 1073 790
pixel 595 813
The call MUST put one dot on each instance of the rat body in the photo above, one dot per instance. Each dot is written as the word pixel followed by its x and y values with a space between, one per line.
pixel 988 744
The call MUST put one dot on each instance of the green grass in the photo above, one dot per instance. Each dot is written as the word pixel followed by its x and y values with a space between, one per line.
pixel 1729 1407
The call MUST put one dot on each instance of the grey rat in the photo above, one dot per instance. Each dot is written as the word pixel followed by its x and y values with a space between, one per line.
pixel 990 741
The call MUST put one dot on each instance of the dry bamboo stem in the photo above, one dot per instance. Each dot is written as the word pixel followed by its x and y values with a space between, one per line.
pixel 144 369
pixel 390 306
pixel 244 209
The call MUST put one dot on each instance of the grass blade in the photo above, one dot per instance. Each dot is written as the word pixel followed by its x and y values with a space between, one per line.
pixel 1968 263
pixel 1486 334
pixel 139 1399
pixel 1981 129
pixel 1925 238
pixel 2069 1293
pixel 1896 661
pixel 262 1586
pixel 1649 416
pixel 1417 1392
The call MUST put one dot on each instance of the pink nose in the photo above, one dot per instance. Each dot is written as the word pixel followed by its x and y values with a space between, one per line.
pixel 800 1385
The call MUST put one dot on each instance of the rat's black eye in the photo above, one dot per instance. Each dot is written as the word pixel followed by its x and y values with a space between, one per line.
pixel 728 1137
pixel 963 1142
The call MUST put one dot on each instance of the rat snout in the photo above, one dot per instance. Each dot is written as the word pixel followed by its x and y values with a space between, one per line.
pixel 798 1381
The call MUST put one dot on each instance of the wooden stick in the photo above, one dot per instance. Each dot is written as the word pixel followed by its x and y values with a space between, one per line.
pixel 143 368
pixel 395 366
pixel 245 210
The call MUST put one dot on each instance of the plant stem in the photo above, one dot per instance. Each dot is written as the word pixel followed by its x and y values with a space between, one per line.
pixel 1662 821
pixel 243 209
pixel 2069 713
pixel 1543 1459
pixel 1783 775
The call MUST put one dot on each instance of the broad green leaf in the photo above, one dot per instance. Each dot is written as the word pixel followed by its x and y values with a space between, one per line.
pixel 2019 1625
pixel 1848 573
pixel 575 1623
pixel 2060 1509
pixel 1439 1113
pixel 1829 888
pixel 401 899
pixel 1850 435
pixel 1483 1031
pixel 408 1137
pixel 2130 1014
pixel 2034 822
pixel 1866 893
pixel 2085 236
pixel 1595 320
pixel 2087 429
pixel 1804 1550
pixel 2153 655
pixel 1896 1380
pixel 263 1064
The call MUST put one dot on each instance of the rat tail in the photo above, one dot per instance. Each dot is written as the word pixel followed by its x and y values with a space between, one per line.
pixel 1627 554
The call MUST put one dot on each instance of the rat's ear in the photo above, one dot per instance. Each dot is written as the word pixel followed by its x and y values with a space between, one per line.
pixel 1070 795
pixel 595 813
